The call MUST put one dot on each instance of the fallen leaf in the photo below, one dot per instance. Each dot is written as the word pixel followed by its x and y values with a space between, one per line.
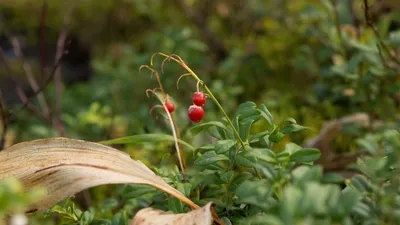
pixel 66 166
pixel 149 216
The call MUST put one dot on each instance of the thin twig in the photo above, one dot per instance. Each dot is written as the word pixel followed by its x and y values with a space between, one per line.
pixel 20 92
pixel 57 77
pixel 29 75
pixel 370 23
pixel 46 83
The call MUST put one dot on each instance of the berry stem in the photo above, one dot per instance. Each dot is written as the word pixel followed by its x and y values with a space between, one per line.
pixel 171 119
pixel 211 95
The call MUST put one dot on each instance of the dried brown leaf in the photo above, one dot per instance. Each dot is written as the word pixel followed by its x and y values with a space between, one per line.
pixel 66 166
pixel 149 216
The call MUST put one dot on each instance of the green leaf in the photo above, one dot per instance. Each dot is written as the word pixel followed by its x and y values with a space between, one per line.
pixel 202 126
pixel 276 136
pixel 246 159
pixel 109 204
pixel 291 199
pixel 205 148
pixel 224 146
pixel 246 115
pixel 291 128
pixel 86 218
pixel 143 138
pixel 361 183
pixel 241 177
pixel 303 174
pixel 349 199
pixel 249 116
pixel 266 114
pixel 282 157
pixel 291 148
pixel 227 176
pixel 306 155
pixel 362 209
pixel 263 154
pixel 268 171
pixel 264 219
pixel 245 107
pixel 136 190
pixel 209 158
pixel 290 120
pixel 120 218
pixel 256 137
pixel 255 193
pixel 362 47
pixel 370 145
pixel 185 188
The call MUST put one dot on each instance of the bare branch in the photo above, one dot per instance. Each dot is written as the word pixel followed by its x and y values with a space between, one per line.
pixel 46 83
pixel 392 55
pixel 21 94
pixel 57 78
pixel 29 75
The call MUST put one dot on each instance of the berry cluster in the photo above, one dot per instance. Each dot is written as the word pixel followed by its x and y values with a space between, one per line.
pixel 196 111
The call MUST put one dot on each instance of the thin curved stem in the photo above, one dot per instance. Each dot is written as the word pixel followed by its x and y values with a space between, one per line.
pixel 211 95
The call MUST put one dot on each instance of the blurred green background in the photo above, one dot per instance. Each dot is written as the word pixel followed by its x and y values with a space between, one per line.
pixel 286 54
pixel 289 55
pixel 313 60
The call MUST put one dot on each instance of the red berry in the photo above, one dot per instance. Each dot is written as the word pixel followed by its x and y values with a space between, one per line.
pixel 195 113
pixel 170 106
pixel 199 98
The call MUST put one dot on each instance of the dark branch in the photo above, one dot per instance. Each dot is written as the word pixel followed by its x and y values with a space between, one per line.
pixel 371 24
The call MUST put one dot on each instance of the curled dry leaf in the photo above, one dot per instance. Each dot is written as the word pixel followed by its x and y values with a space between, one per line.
pixel 66 166
pixel 149 216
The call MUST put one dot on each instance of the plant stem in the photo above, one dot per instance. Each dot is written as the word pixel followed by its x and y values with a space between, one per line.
pixel 193 74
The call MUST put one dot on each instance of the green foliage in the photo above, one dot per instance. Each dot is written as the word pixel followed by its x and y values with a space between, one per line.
pixel 13 198
pixel 304 59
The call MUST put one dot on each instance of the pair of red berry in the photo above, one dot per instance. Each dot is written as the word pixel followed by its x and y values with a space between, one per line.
pixel 196 111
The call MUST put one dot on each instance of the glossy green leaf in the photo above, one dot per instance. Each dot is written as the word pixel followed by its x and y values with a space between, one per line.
pixel 227 176
pixel 266 114
pixel 306 155
pixel 282 157
pixel 209 158
pixel 276 136
pixel 292 128
pixel 246 159
pixel 224 146
pixel 262 154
